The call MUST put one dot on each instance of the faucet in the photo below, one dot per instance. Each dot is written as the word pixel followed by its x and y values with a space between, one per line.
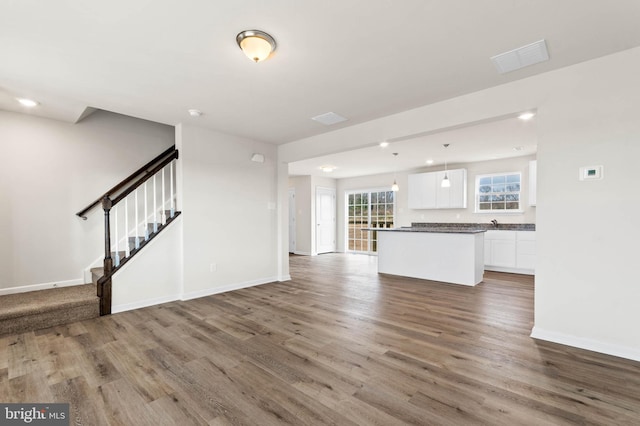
pixel 495 223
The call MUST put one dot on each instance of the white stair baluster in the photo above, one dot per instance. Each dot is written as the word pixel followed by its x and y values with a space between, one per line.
pixel 127 248
pixel 172 207
pixel 164 216
pixel 146 214
pixel 137 223
pixel 115 228
pixel 155 208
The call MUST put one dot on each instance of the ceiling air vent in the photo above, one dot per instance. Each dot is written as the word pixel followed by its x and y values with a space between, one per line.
pixel 329 118
pixel 521 57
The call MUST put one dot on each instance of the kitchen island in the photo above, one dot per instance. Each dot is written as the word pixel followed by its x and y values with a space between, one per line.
pixel 451 255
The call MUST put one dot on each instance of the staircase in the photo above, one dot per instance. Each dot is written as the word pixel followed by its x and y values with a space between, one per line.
pixel 35 310
pixel 140 242
pixel 143 203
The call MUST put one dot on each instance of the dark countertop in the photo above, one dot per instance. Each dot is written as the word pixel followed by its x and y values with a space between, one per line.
pixel 437 229
pixel 482 226
pixel 460 228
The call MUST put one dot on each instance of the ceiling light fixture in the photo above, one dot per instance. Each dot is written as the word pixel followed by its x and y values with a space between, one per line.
pixel 446 183
pixel 526 115
pixel 384 144
pixel 29 103
pixel 429 162
pixel 194 112
pixel 256 44
pixel 327 169
pixel 395 187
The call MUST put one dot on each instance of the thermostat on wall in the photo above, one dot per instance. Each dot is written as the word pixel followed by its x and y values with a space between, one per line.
pixel 591 173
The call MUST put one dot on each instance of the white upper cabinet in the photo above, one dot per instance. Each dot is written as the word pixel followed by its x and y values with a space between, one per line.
pixel 420 197
pixel 426 191
pixel 533 177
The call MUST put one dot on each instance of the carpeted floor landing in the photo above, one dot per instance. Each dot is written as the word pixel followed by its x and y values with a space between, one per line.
pixel 47 308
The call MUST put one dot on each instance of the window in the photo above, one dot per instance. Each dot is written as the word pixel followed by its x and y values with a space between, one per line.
pixel 368 209
pixel 498 192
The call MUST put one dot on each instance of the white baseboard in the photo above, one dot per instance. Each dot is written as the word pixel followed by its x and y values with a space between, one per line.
pixel 43 286
pixel 224 289
pixel 510 270
pixel 302 253
pixel 143 303
pixel 285 278
pixel 588 344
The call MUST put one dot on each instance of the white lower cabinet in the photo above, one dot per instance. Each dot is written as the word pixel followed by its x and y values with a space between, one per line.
pixel 510 251
pixel 526 250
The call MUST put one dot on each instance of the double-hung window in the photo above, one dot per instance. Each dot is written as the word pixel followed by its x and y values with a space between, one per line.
pixel 498 192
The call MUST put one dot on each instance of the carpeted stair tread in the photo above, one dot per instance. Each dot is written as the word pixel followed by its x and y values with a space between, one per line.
pixel 46 308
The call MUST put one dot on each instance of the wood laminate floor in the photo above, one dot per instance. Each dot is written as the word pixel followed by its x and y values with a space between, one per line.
pixel 338 344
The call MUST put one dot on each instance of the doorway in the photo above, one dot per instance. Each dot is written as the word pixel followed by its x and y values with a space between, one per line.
pixel 325 220
pixel 368 209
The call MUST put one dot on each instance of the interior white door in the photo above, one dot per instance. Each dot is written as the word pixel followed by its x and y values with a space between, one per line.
pixel 292 220
pixel 325 220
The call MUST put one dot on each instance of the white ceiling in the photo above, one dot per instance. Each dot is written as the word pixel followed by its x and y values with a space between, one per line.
pixel 362 59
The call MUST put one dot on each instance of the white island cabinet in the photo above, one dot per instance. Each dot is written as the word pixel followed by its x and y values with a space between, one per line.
pixel 455 256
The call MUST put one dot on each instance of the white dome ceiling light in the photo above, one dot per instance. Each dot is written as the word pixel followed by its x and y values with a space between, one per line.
pixel 256 44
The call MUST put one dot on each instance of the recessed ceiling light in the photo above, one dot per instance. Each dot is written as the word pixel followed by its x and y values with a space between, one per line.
pixel 329 118
pixel 526 116
pixel 429 161
pixel 327 169
pixel 29 103
pixel 518 148
pixel 384 144
pixel 195 112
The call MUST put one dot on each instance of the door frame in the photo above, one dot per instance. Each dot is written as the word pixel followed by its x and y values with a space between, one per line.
pixel 332 192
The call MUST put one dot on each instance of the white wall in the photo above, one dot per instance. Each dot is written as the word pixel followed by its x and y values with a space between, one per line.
pixel 229 208
pixel 586 291
pixel 50 171
pixel 302 185
pixel 587 284
pixel 154 275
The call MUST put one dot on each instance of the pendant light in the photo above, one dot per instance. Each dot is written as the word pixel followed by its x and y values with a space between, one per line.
pixel 395 187
pixel 446 183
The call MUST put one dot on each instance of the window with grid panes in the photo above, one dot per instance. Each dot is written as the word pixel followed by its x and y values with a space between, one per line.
pixel 368 209
pixel 498 192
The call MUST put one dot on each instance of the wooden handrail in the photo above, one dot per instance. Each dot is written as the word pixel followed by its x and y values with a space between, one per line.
pixel 145 178
pixel 129 180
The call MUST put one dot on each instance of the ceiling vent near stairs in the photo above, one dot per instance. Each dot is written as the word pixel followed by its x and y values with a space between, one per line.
pixel 521 57
pixel 329 118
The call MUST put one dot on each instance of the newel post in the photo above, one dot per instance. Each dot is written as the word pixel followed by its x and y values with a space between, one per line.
pixel 104 286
